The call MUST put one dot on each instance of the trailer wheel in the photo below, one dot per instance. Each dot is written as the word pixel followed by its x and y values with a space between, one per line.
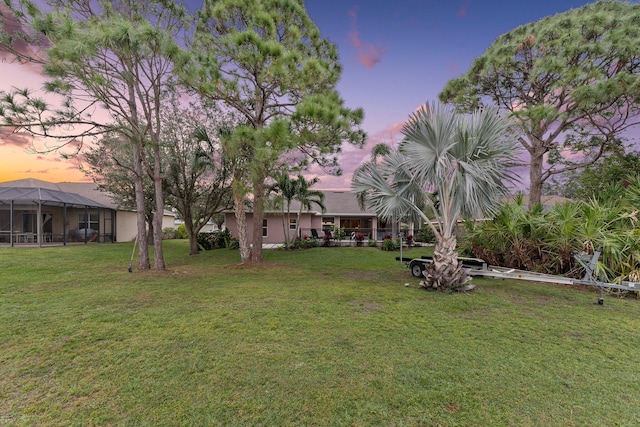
pixel 416 269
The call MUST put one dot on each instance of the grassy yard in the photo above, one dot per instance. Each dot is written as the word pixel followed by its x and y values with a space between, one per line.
pixel 328 336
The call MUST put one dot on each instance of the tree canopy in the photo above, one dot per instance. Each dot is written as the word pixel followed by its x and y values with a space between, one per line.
pixel 107 65
pixel 268 61
pixel 614 170
pixel 572 82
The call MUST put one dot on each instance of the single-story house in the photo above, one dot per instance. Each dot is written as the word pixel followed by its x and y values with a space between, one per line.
pixel 35 211
pixel 342 211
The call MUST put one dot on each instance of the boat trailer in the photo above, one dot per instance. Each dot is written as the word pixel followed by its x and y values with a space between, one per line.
pixel 478 267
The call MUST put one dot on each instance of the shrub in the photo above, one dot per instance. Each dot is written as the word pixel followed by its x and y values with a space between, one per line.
pixel 425 235
pixel 389 244
pixel 169 233
pixel 234 244
pixel 214 240
pixel 304 243
pixel 181 232
pixel 545 240
pixel 373 243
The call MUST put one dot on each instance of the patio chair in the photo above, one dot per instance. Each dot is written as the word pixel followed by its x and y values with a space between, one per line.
pixel 314 233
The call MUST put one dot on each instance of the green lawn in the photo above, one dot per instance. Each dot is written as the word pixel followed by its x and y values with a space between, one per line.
pixel 328 336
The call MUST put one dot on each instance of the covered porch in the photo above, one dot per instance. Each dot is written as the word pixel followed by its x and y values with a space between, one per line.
pixel 41 216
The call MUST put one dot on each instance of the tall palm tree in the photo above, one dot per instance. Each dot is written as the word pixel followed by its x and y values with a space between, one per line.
pixel 464 160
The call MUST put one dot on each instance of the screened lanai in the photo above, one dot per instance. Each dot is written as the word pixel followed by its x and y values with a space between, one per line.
pixel 41 215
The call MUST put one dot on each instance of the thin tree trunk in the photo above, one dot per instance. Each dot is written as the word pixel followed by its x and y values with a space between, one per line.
pixel 535 178
pixel 192 234
pixel 298 233
pixel 158 254
pixel 143 248
pixel 241 219
pixel 258 216
pixel 285 224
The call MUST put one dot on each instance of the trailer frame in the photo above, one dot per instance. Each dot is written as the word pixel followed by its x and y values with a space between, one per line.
pixel 478 267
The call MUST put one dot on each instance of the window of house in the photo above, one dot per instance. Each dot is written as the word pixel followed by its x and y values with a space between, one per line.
pixel 264 228
pixel 293 223
pixel 91 221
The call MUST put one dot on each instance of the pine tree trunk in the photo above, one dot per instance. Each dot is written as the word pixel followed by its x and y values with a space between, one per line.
pixel 158 253
pixel 241 219
pixel 535 177
pixel 446 273
pixel 143 248
pixel 258 216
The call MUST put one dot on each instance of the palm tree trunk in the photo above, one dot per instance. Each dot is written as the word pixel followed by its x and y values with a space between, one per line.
pixel 285 228
pixel 446 273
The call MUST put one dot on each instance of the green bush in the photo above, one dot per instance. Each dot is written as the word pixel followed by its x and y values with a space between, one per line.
pixel 373 243
pixel 389 244
pixel 169 233
pixel 234 244
pixel 545 240
pixel 424 235
pixel 214 240
pixel 181 232
pixel 304 243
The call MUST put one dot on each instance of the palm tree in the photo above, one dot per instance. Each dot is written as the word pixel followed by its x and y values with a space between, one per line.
pixel 464 160
pixel 307 197
pixel 286 190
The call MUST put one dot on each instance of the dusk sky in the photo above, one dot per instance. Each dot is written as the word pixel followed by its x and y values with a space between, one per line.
pixel 396 55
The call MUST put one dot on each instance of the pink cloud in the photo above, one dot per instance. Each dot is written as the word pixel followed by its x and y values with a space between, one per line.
pixel 35 172
pixel 12 26
pixel 464 8
pixel 8 137
pixel 49 159
pixel 351 158
pixel 368 55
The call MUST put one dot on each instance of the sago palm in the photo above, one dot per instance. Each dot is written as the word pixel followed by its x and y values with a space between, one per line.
pixel 464 160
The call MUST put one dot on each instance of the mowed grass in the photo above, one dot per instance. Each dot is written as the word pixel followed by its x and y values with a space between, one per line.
pixel 328 336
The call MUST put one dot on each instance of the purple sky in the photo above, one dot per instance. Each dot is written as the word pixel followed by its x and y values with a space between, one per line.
pixel 396 55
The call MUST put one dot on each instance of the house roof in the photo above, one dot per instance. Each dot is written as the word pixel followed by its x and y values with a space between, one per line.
pixel 341 203
pixel 337 203
pixel 24 191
